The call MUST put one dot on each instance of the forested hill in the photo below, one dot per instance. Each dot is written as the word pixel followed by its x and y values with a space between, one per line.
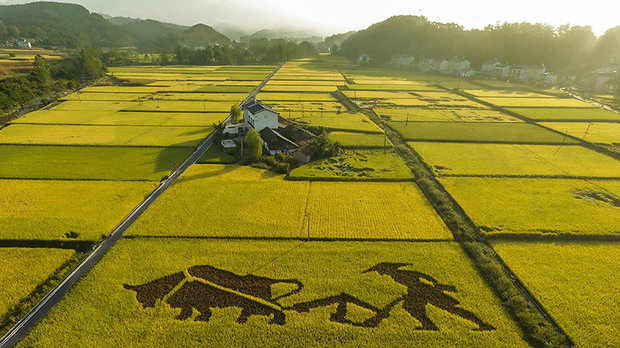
pixel 64 25
pixel 560 49
pixel 73 26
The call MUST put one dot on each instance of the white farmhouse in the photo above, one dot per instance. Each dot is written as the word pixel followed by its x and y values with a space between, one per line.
pixel 279 135
pixel 23 43
pixel 259 117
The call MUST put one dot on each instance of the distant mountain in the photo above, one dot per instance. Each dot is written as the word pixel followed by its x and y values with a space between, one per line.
pixel 287 34
pixel 150 34
pixel 335 40
pixel 64 25
pixel 201 35
pixel 120 20
pixel 231 31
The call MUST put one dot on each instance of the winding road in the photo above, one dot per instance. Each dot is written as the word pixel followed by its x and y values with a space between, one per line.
pixel 19 330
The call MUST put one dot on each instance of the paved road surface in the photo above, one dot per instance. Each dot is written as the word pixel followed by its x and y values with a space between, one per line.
pixel 48 302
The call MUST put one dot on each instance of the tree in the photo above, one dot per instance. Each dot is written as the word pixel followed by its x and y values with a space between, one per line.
pixel 254 143
pixel 41 72
pixel 235 113
pixel 91 64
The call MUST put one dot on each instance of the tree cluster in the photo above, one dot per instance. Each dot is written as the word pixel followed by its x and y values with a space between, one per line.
pixel 256 51
pixel 47 77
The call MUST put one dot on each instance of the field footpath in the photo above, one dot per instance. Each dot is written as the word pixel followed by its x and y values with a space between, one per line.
pixel 539 328
pixel 24 325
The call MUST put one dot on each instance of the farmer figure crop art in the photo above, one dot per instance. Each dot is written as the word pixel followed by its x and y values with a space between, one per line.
pixel 419 294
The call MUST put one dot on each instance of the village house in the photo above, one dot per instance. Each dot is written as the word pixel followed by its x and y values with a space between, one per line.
pixel 23 43
pixel 279 135
pixel 530 73
pixel 402 62
pixel 428 65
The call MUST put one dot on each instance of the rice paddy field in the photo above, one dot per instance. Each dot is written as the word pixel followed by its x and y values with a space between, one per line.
pixel 578 283
pixel 220 188
pixel 89 162
pixel 355 122
pixel 66 210
pixel 361 140
pixel 442 115
pixel 567 114
pixel 356 165
pixel 593 132
pixel 111 118
pixel 449 159
pixel 104 135
pixel 508 206
pixel 325 270
pixel 538 102
pixel 496 132
pixel 23 269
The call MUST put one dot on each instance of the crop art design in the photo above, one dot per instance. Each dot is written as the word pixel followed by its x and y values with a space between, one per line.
pixel 205 287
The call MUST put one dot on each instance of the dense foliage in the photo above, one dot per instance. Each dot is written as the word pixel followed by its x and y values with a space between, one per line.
pixel 64 25
pixel 563 48
pixel 48 77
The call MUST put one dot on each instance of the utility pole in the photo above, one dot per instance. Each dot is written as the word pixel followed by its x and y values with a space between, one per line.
pixel 407 123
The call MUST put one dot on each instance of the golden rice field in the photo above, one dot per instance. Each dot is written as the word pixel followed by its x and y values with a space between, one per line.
pixel 337 121
pixel 449 159
pixel 65 210
pixel 506 94
pixel 324 269
pixel 111 118
pixel 594 132
pixel 492 132
pixel 89 162
pixel 538 102
pixel 567 114
pixel 372 211
pixel 207 188
pixel 23 270
pixel 578 283
pixel 253 198
pixel 443 115
pixel 104 135
pixel 361 140
pixel 500 206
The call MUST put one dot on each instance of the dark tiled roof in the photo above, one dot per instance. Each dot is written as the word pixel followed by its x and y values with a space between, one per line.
pixel 258 106
pixel 276 141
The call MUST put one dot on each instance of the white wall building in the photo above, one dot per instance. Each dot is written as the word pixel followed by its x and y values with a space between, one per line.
pixel 402 61
pixel 23 43
pixel 259 117
pixel 428 65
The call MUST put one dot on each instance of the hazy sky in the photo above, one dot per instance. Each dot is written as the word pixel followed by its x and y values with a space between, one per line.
pixel 331 16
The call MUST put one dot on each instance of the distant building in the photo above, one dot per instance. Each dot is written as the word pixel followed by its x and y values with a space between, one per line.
pixel 23 43
pixel 364 59
pixel 402 62
pixel 530 73
pixel 457 65
pixel 428 65
pixel 444 66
